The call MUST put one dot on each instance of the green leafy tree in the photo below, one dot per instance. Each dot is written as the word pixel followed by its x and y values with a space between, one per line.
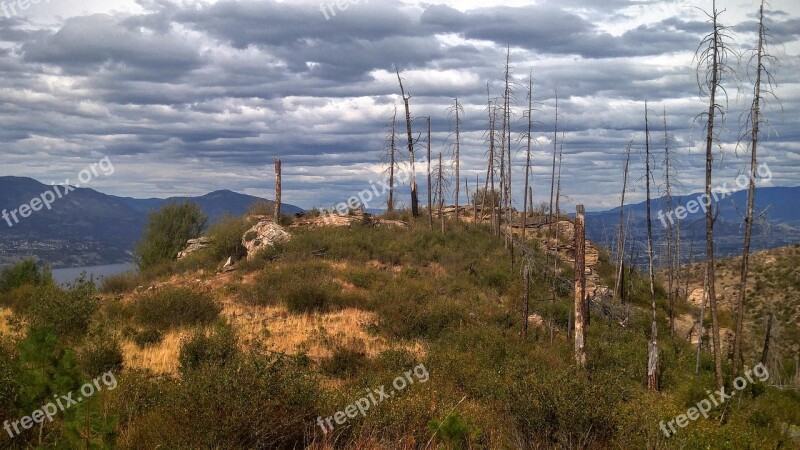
pixel 167 231
pixel 24 273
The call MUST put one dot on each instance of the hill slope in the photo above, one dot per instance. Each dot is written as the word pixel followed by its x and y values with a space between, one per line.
pixel 87 227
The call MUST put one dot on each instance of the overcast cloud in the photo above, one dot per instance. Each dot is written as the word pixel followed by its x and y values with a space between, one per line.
pixel 188 97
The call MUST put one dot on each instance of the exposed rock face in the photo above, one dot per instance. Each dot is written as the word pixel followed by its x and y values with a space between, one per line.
pixel 193 245
pixel 264 233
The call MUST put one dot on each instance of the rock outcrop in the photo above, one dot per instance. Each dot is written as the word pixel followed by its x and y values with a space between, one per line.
pixel 263 234
pixel 193 245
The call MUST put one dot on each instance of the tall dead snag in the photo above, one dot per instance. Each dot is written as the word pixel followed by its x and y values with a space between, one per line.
pixel 475 200
pixel 763 77
pixel 580 285
pixel 391 158
pixel 489 162
pixel 440 188
pixel 528 156
pixel 277 190
pixel 652 353
pixel 526 301
pixel 430 194
pixel 621 232
pixel 553 176
pixel 765 352
pixel 456 111
pixel 670 237
pixel 507 195
pixel 711 59
pixel 414 197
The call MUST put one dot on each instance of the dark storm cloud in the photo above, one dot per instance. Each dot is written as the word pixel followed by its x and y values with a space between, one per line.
pixel 190 98
pixel 551 30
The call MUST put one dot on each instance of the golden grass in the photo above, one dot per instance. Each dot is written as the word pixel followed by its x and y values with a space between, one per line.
pixel 161 358
pixel 5 326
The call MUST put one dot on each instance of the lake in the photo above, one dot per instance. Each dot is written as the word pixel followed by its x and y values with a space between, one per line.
pixel 62 276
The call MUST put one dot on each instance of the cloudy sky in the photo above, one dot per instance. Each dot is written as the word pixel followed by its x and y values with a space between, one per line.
pixel 186 97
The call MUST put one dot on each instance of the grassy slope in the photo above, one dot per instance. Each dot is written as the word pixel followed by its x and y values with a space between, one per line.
pixel 353 308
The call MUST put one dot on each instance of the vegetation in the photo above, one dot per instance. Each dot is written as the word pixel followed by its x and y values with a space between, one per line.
pixel 167 231
pixel 448 301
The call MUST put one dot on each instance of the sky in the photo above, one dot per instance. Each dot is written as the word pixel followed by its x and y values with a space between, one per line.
pixel 187 97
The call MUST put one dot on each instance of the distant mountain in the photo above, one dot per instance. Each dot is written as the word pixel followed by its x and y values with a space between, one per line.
pixel 779 224
pixel 86 227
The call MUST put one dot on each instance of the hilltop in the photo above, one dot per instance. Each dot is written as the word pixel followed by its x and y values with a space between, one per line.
pixel 312 325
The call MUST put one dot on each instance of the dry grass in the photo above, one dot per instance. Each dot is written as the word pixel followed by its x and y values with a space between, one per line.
pixel 161 358
pixel 5 326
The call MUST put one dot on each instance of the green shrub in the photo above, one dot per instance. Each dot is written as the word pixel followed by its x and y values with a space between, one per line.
pixel 345 362
pixel 148 337
pixel 454 431
pixel 172 307
pixel 24 273
pixel 67 312
pixel 120 283
pixel 103 355
pixel 167 231
pixel 217 348
pixel 226 237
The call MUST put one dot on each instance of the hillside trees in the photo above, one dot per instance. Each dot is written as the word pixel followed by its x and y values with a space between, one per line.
pixel 167 231
pixel 763 85
pixel 712 67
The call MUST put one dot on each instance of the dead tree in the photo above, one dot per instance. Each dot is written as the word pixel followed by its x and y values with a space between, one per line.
pixel 711 59
pixel 277 189
pixel 456 111
pixel 580 286
pixel 763 82
pixel 528 156
pixel 765 352
pixel 414 197
pixel 553 176
pixel 526 301
pixel 621 231
pixel 391 158
pixel 670 237
pixel 652 353
pixel 490 161
pixel 440 187
pixel 430 194
pixel 507 136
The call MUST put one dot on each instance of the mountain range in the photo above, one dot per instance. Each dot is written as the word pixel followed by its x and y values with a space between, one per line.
pixel 777 224
pixel 86 227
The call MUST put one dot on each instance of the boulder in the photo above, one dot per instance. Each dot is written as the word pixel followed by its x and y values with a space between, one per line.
pixel 264 233
pixel 193 245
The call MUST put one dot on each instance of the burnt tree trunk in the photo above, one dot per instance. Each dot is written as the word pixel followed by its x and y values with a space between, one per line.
pixel 277 208
pixel 580 286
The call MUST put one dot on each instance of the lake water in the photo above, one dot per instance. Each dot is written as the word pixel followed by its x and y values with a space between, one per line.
pixel 62 276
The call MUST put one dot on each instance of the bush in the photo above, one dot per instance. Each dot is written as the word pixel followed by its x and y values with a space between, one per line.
pixel 67 312
pixel 167 231
pixel 148 337
pixel 24 273
pixel 102 356
pixel 120 283
pixel 345 362
pixel 226 237
pixel 173 307
pixel 217 348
